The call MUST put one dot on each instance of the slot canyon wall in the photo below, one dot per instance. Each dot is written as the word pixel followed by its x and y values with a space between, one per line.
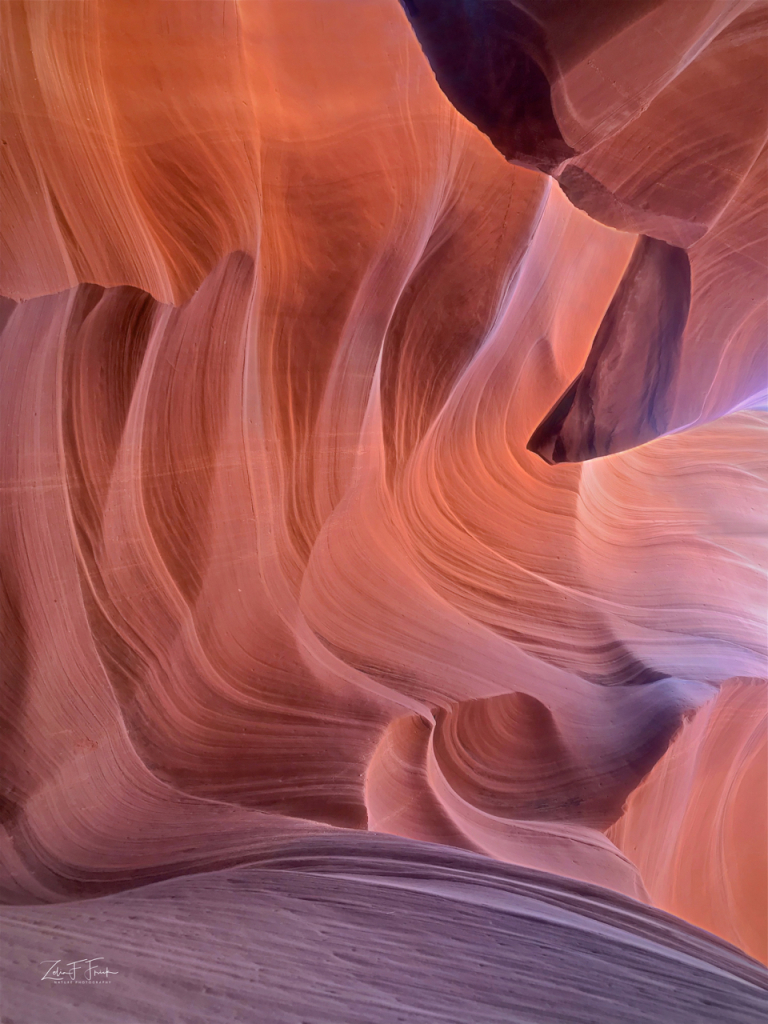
pixel 384 509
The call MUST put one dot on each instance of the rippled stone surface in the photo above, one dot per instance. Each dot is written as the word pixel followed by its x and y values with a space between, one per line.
pixel 652 116
pixel 307 536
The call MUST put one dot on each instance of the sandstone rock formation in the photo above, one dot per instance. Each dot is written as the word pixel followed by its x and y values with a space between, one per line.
pixel 284 338
pixel 652 115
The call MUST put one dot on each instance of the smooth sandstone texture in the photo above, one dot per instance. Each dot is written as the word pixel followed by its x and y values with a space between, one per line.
pixel 653 116
pixel 377 930
pixel 279 566
pixel 704 805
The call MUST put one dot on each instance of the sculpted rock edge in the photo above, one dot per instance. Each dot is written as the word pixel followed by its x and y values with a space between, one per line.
pixel 382 526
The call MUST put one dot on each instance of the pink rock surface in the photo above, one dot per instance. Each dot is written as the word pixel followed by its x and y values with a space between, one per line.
pixel 653 116
pixel 696 827
pixel 280 567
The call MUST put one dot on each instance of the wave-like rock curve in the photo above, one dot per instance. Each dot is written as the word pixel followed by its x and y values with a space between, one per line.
pixel 283 341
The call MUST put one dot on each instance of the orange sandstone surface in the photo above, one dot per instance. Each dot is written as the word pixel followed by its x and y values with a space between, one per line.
pixel 383 501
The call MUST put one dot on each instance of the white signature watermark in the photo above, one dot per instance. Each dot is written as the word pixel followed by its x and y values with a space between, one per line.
pixel 78 972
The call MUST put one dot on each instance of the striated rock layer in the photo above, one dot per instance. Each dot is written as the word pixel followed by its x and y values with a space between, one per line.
pixel 653 116
pixel 375 929
pixel 284 337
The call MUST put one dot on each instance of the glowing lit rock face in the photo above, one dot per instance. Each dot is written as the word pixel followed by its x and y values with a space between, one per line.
pixel 299 378
pixel 652 116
